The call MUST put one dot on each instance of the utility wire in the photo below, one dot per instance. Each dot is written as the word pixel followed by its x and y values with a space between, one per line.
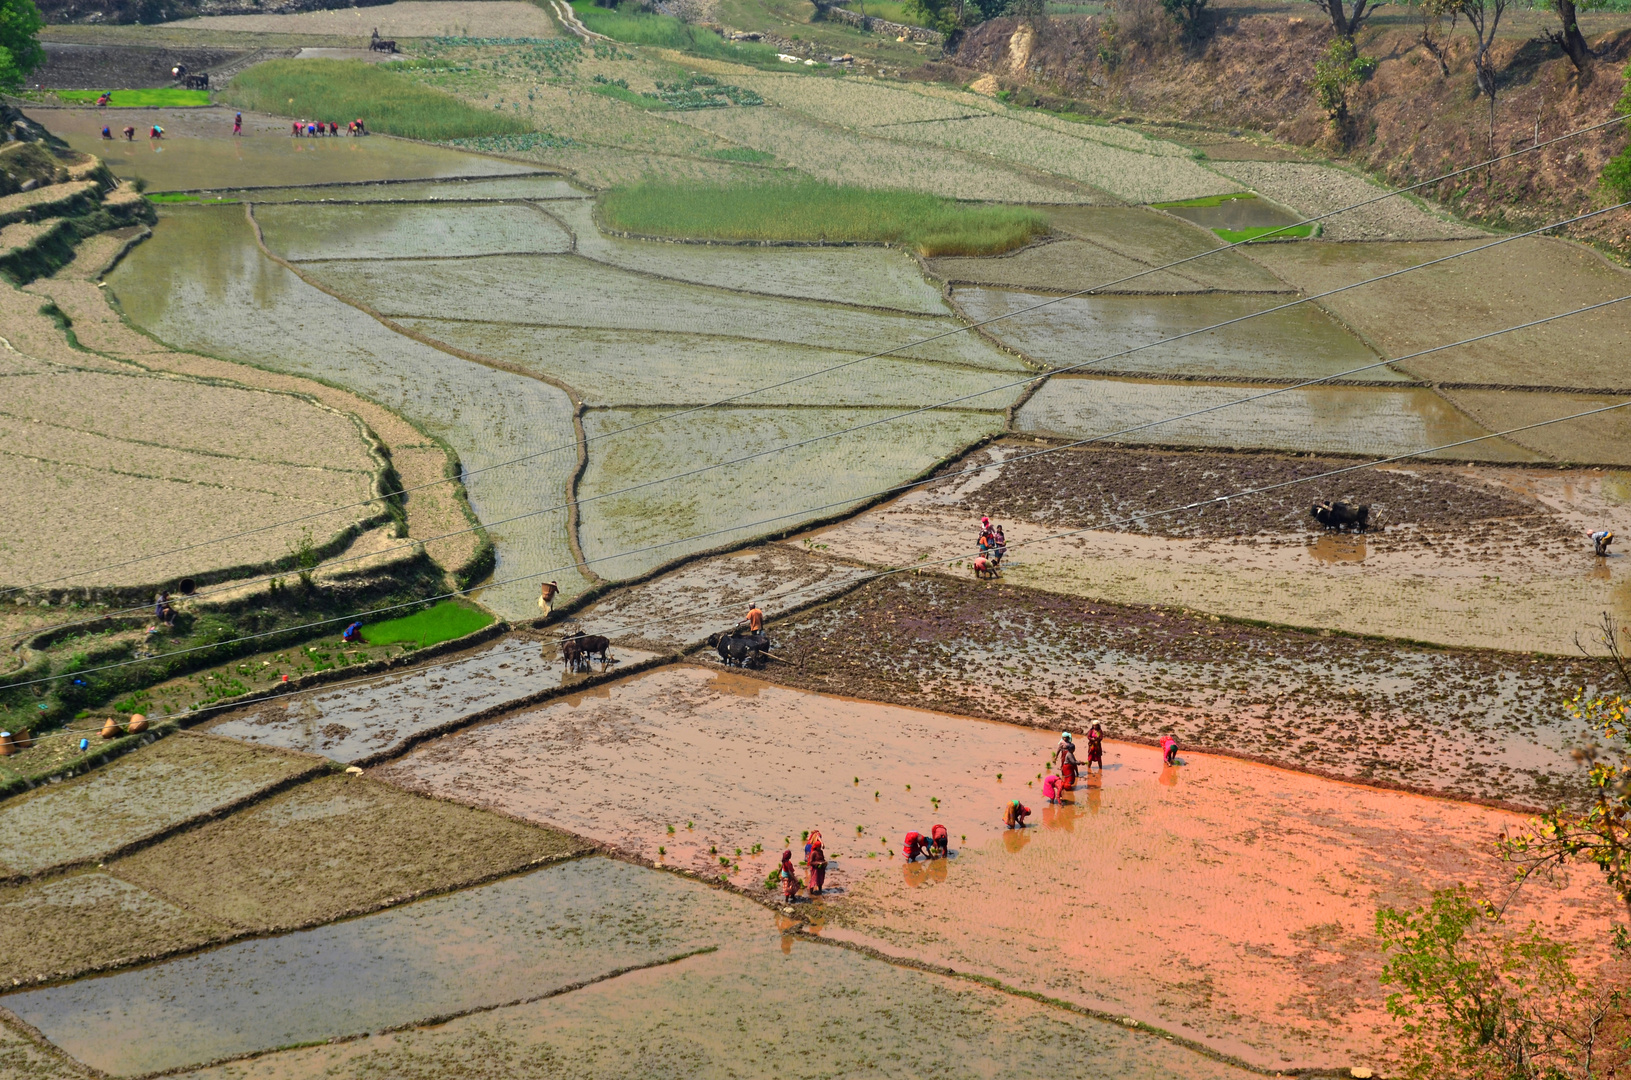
pixel 1130 519
pixel 816 374
pixel 887 491
pixel 241 583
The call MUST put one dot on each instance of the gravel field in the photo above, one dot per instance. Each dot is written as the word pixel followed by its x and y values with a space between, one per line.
pixel 1320 189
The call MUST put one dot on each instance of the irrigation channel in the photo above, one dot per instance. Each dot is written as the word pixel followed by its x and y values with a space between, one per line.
pixel 525 871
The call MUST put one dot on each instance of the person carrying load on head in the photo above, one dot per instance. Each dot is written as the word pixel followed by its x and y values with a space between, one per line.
pixel 815 862
pixel 546 597
pixel 1065 754
pixel 1600 541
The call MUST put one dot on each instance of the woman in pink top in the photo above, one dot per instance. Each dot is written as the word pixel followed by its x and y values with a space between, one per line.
pixel 1050 788
pixel 1169 750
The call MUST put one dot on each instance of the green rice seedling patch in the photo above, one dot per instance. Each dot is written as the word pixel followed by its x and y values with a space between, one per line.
pixel 743 154
pixel 863 275
pixel 561 290
pixel 815 211
pixel 1320 419
pixel 444 622
pixel 164 97
pixel 1298 343
pixel 68 925
pixel 536 186
pixel 1206 200
pixel 298 231
pixel 791 486
pixel 132 797
pixel 921 1024
pixel 513 939
pixel 336 845
pixel 628 23
pixel 203 261
pixel 840 156
pixel 181 197
pixel 1266 232
pixel 389 102
pixel 530 142
pixel 617 367
pixel 1133 175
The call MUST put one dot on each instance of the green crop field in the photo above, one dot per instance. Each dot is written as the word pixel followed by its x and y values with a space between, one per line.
pixel 386 101
pixel 444 622
pixel 815 211
pixel 1284 232
pixel 164 97
pixel 629 24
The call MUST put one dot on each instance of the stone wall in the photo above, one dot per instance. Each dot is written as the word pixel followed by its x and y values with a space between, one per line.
pixel 882 26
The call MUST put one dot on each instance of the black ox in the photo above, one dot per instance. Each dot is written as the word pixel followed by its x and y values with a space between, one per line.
pixel 741 650
pixel 580 648
pixel 1342 515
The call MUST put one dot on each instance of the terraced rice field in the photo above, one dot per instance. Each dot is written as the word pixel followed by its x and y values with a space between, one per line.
pixel 300 232
pixel 1367 421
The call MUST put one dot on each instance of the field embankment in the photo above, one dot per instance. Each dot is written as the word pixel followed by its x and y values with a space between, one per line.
pixel 343 89
pixel 1412 119
pixel 814 212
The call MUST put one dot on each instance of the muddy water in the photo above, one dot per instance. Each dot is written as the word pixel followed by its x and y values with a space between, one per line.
pixel 766 1004
pixel 1325 419
pixel 1231 903
pixel 137 795
pixel 363 720
pixel 301 231
pixel 745 762
pixel 1300 343
pixel 512 940
pixel 198 151
pixel 200 283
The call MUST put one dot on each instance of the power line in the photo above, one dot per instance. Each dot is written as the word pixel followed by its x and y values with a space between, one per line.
pixel 887 491
pixel 816 374
pixel 1064 534
pixel 241 583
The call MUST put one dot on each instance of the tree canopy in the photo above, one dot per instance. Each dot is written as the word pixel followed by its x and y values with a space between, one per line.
pixel 20 51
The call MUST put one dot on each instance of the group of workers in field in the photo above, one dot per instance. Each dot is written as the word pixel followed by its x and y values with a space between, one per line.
pixel 993 548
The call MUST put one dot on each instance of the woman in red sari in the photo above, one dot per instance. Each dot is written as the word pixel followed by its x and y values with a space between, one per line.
pixel 815 861
pixel 1066 753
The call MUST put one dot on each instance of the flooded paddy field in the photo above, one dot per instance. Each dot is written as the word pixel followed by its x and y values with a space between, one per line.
pixel 796 1008
pixel 333 847
pixel 771 493
pixel 300 232
pixel 366 720
pixel 512 940
pixel 198 151
pixel 1476 723
pixel 1367 421
pixel 1130 867
pixel 1463 555
pixel 202 264
pixel 1299 343
pixel 531 186
pixel 136 796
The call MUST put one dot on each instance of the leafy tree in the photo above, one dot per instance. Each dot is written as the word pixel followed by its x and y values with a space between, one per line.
pixel 1480 1004
pixel 942 15
pixel 1336 74
pixel 1188 14
pixel 1617 173
pixel 20 51
pixel 1600 834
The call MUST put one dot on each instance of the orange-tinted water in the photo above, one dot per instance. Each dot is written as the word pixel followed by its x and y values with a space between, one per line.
pixel 1230 902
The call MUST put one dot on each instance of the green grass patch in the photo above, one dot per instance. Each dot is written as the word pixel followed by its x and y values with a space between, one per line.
pixel 629 24
pixel 1206 200
pixel 1283 232
pixel 444 622
pixel 180 197
pixel 813 211
pixel 161 98
pixel 387 101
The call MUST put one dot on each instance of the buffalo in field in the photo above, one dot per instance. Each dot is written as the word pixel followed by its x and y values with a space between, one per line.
pixel 379 44
pixel 741 650
pixel 1342 515
pixel 580 648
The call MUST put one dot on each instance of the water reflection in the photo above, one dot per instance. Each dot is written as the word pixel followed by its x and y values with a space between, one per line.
pixel 1335 548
